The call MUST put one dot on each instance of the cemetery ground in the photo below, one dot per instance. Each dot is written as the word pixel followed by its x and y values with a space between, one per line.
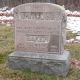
pixel 7 46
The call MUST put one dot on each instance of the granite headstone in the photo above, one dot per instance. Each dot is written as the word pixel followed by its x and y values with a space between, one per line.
pixel 40 39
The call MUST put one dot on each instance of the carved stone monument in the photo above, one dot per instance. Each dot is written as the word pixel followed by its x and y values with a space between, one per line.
pixel 40 38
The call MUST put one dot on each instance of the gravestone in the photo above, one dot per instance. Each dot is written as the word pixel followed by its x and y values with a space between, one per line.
pixel 40 39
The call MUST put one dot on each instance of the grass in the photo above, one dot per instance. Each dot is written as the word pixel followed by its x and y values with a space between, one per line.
pixel 74 50
pixel 70 35
pixel 7 46
pixel 6 42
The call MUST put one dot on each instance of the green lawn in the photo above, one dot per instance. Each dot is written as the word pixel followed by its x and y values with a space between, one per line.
pixel 7 46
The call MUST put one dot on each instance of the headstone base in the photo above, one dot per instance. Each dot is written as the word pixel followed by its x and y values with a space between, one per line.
pixel 44 63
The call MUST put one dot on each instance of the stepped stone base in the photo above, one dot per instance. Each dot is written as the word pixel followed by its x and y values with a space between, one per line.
pixel 44 63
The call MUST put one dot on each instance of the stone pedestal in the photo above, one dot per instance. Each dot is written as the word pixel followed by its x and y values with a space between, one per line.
pixel 44 63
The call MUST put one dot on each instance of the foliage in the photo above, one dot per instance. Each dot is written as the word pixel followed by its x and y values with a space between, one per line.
pixel 70 35
pixel 6 42
pixel 74 50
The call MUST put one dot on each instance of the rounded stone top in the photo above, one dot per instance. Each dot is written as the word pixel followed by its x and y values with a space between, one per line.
pixel 39 7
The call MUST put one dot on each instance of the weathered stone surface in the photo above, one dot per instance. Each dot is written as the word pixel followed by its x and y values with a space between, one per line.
pixel 40 27
pixel 40 38
pixel 45 63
